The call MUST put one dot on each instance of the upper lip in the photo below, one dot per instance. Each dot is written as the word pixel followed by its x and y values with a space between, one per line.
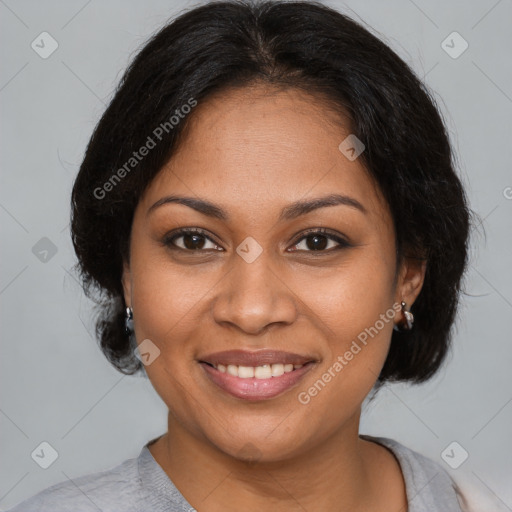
pixel 259 358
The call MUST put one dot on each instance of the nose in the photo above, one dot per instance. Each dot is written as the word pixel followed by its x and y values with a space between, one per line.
pixel 253 296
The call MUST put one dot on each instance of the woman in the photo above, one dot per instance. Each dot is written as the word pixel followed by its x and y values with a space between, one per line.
pixel 269 216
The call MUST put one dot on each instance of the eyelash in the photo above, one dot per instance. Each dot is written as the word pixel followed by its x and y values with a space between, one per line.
pixel 169 240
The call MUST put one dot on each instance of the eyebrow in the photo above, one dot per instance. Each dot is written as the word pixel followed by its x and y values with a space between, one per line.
pixel 289 212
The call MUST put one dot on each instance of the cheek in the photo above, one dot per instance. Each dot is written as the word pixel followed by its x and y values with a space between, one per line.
pixel 167 298
pixel 354 295
pixel 354 310
pixel 167 302
pixel 354 359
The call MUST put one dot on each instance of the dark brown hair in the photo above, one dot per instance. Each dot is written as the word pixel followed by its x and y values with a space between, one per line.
pixel 304 45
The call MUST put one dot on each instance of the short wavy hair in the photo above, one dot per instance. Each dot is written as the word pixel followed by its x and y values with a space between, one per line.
pixel 290 45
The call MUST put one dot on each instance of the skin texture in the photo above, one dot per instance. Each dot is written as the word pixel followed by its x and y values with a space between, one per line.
pixel 252 152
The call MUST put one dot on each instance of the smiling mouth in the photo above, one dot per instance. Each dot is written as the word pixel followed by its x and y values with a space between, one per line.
pixel 255 375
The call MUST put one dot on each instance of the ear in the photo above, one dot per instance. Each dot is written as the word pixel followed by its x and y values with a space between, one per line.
pixel 410 280
pixel 126 280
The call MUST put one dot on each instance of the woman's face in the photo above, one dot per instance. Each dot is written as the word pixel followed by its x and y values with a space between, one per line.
pixel 255 281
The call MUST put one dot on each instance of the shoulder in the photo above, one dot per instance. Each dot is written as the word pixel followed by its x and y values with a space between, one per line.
pixel 428 486
pixel 114 489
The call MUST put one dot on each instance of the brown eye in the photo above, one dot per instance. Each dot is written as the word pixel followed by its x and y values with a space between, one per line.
pixel 319 240
pixel 190 240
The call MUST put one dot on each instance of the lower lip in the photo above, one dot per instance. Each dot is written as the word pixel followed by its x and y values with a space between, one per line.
pixel 252 388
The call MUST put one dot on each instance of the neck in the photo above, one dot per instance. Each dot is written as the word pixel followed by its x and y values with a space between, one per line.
pixel 344 473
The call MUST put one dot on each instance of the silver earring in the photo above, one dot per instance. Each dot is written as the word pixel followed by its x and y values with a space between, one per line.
pixel 406 323
pixel 128 321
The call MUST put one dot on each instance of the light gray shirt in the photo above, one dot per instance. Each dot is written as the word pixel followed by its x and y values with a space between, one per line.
pixel 141 485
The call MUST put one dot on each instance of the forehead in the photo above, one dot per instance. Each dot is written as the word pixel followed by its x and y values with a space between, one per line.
pixel 264 148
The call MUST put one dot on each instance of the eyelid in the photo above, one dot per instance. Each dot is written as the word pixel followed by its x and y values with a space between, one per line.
pixel 173 235
pixel 332 235
pixel 323 231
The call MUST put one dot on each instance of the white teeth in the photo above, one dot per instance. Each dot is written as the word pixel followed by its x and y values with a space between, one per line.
pixel 277 370
pixel 232 370
pixel 262 372
pixel 265 371
pixel 245 372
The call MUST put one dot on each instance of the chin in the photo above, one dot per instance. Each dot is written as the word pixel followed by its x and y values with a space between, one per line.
pixel 258 446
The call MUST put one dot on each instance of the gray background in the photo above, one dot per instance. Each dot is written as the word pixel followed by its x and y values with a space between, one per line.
pixel 55 384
